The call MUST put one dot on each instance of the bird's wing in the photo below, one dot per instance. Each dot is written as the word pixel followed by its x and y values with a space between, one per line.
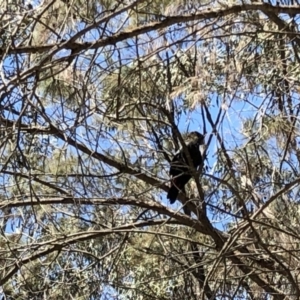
pixel 178 164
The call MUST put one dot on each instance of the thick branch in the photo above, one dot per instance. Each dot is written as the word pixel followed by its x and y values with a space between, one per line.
pixel 168 21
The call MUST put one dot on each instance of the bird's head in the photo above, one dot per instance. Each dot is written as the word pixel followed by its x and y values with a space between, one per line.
pixel 197 137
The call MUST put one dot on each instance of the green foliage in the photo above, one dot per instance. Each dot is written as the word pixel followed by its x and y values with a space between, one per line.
pixel 96 97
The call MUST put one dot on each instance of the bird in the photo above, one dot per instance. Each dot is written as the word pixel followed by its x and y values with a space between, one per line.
pixel 179 166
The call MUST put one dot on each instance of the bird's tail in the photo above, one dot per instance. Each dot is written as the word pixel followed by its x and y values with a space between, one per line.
pixel 173 193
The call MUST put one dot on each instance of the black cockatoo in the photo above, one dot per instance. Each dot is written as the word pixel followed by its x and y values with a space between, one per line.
pixel 179 169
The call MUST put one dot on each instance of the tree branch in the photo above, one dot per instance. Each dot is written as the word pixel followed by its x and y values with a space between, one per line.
pixel 168 21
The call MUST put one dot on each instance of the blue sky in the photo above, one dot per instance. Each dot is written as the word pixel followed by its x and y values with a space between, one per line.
pixel 234 112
